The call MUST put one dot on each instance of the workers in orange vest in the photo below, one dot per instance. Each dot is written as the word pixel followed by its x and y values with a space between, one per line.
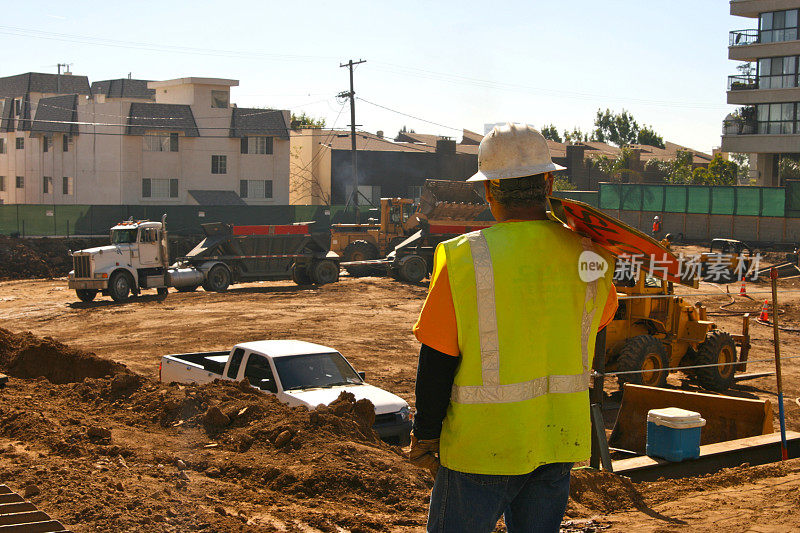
pixel 656 226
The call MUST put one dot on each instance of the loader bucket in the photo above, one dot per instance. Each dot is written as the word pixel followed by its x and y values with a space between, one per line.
pixel 450 200
pixel 727 417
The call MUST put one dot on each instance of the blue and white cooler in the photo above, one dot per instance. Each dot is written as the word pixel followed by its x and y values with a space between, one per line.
pixel 674 434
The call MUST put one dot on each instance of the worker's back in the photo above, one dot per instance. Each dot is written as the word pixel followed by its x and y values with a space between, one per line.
pixel 526 330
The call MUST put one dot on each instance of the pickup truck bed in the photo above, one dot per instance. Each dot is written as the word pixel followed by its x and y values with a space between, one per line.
pixel 209 361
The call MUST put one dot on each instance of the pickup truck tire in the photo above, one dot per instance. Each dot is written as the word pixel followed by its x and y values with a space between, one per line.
pixel 120 286
pixel 300 275
pixel 324 272
pixel 218 279
pixel 359 251
pixel 412 268
pixel 86 295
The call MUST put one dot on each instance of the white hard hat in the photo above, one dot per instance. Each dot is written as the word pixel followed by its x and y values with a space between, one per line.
pixel 656 218
pixel 513 151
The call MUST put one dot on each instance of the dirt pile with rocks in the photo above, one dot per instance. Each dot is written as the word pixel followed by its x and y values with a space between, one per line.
pixel 39 258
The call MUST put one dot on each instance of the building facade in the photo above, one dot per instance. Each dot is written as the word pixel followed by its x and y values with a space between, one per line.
pixel 138 142
pixel 767 124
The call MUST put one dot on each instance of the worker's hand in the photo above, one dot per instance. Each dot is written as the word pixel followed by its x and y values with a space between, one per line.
pixel 425 454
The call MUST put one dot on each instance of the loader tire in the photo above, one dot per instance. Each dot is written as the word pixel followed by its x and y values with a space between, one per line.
pixel 359 251
pixel 86 295
pixel 218 279
pixel 718 347
pixel 120 286
pixel 324 272
pixel 643 352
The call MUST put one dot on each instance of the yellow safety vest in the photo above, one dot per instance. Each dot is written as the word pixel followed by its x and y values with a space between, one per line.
pixel 526 332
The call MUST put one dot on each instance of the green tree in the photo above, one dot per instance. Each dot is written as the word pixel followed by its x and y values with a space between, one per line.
pixel 615 128
pixel 306 121
pixel 788 169
pixel 618 168
pixel 551 132
pixel 575 136
pixel 562 183
pixel 646 135
pixel 721 172
pixel 742 165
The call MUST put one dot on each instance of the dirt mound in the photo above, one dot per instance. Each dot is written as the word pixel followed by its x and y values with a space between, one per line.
pixel 39 258
pixel 27 356
pixel 600 491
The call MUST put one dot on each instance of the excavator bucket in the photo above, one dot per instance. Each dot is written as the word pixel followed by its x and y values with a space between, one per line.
pixel 727 417
pixel 450 200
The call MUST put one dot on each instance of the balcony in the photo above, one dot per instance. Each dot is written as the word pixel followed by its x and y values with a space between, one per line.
pixel 743 37
pixel 742 83
pixel 739 126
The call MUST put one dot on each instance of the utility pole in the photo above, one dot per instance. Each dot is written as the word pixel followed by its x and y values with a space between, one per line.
pixel 352 95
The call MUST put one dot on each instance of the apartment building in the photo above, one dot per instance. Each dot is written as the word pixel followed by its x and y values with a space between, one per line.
pixel 767 89
pixel 128 141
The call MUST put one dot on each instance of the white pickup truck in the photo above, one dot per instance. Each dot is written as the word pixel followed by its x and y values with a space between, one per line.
pixel 298 373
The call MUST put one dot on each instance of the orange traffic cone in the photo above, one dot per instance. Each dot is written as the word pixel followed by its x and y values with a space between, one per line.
pixel 743 290
pixel 764 316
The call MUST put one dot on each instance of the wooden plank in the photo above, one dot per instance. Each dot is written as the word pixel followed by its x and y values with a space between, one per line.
pixel 23 518
pixel 3 380
pixel 756 450
pixel 48 526
pixel 5 490
pixel 10 498
pixel 16 507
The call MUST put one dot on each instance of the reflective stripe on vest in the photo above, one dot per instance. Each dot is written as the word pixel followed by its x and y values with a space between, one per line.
pixel 491 391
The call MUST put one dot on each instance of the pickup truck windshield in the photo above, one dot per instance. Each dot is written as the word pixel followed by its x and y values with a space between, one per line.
pixel 123 236
pixel 315 370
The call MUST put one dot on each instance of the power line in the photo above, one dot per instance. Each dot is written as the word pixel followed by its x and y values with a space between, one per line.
pixel 409 116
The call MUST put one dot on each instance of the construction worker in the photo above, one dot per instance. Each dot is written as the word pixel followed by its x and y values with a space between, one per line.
pixel 656 226
pixel 507 332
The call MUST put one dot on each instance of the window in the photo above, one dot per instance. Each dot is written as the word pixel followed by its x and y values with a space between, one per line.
pixel 776 118
pixel 20 143
pixel 257 145
pixel 235 362
pixel 66 186
pixel 47 185
pixel 777 72
pixel 148 235
pixel 220 99
pixel 219 164
pixel 159 188
pixel 161 141
pixel 2 146
pixel 65 143
pixel 259 373
pixel 255 188
pixel 2 183
pixel 45 143
pixel 778 26
pixel 20 182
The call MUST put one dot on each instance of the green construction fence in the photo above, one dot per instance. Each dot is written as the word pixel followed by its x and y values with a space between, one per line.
pixel 63 220
pixel 702 199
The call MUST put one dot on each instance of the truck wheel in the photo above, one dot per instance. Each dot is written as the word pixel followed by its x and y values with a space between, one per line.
pixel 412 268
pixel 300 275
pixel 324 272
pixel 717 348
pixel 190 288
pixel 86 295
pixel 218 279
pixel 359 251
pixel 120 286
pixel 643 352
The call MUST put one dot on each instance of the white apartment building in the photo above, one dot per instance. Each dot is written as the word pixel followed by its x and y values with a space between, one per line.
pixel 125 141
pixel 767 125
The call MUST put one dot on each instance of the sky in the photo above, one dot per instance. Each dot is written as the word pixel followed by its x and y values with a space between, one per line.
pixel 437 66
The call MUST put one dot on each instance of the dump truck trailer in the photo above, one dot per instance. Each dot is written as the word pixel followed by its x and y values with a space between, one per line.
pixel 138 259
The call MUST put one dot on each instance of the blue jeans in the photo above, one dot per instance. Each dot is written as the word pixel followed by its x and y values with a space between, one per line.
pixel 473 503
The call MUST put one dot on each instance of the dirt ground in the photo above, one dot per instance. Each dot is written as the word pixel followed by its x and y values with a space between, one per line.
pixel 338 478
